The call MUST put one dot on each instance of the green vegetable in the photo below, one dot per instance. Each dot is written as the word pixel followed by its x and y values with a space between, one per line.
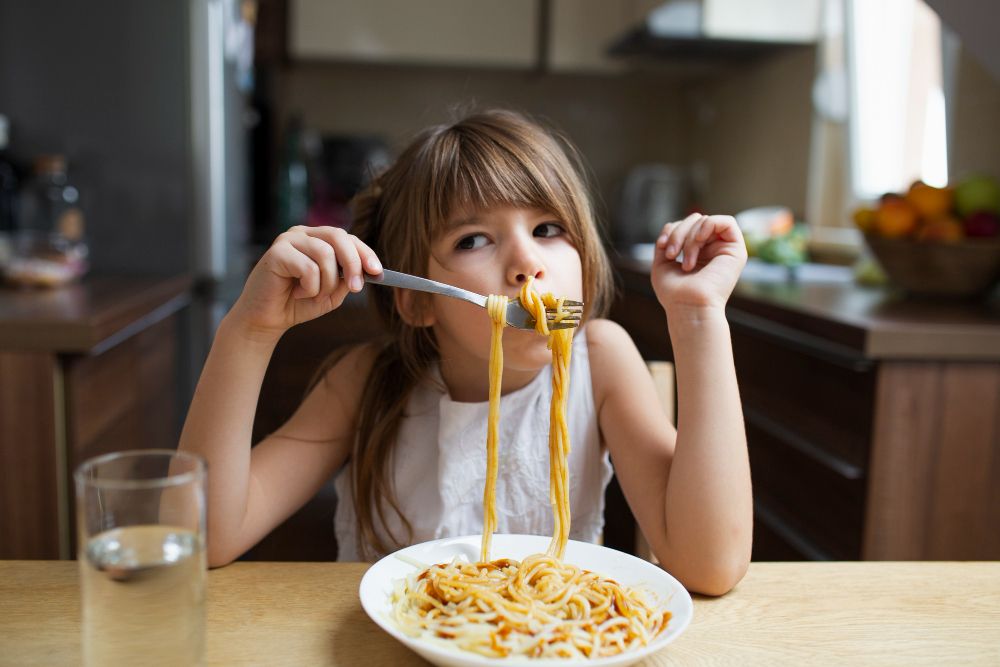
pixel 788 249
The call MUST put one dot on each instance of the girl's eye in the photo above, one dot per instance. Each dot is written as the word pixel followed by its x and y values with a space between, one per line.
pixel 471 242
pixel 549 229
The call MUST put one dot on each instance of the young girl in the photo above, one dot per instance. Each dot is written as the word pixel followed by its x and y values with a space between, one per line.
pixel 485 204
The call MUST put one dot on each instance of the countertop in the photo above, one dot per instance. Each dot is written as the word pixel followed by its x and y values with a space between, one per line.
pixel 823 302
pixel 88 316
pixel 850 613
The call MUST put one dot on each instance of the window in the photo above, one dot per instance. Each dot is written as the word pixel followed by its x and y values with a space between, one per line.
pixel 880 120
pixel 897 110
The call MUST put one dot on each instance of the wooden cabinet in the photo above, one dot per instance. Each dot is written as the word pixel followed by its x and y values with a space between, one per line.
pixel 84 370
pixel 437 32
pixel 478 33
pixel 871 420
pixel 581 31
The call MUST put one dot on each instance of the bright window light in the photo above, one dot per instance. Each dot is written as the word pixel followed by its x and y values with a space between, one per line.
pixel 897 121
pixel 934 167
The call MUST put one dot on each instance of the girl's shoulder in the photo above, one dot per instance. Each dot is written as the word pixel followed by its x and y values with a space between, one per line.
pixel 605 337
pixel 614 358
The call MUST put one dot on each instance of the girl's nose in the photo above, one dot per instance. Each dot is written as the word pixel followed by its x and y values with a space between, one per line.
pixel 521 277
pixel 525 263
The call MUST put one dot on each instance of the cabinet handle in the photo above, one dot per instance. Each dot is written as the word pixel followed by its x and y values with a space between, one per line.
pixel 803 545
pixel 788 437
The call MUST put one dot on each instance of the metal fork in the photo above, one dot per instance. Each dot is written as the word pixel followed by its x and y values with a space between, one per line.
pixel 517 316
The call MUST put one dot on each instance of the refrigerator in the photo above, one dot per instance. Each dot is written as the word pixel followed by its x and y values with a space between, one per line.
pixel 149 103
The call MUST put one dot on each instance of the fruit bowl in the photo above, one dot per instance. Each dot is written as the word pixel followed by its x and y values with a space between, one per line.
pixel 966 268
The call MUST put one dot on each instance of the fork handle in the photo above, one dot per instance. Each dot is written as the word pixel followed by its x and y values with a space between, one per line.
pixel 405 280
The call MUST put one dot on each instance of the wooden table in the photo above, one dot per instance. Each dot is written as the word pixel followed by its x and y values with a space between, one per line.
pixel 872 613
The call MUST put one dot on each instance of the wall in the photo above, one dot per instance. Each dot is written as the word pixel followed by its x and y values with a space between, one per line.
pixel 751 130
pixel 975 21
pixel 105 83
pixel 615 121
pixel 975 129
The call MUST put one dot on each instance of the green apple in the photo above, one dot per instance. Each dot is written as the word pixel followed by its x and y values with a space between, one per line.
pixel 977 193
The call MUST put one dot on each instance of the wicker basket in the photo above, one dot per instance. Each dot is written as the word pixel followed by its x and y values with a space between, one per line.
pixel 966 268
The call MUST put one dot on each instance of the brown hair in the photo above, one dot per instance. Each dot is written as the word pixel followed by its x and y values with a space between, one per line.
pixel 487 159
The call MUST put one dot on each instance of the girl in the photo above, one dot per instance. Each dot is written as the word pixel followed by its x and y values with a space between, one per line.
pixel 485 204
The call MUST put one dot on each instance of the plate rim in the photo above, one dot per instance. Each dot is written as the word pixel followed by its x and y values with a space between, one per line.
pixel 446 653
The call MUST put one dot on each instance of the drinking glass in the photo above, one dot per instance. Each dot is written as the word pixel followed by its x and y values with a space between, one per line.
pixel 141 550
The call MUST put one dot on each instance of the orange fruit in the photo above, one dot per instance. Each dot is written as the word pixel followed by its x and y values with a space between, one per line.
pixel 864 219
pixel 928 201
pixel 943 229
pixel 895 218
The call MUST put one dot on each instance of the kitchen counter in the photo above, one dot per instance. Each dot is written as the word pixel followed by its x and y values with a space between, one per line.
pixel 869 322
pixel 871 418
pixel 88 316
pixel 84 369
pixel 781 613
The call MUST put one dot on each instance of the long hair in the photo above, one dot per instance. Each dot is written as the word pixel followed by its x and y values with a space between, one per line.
pixel 488 159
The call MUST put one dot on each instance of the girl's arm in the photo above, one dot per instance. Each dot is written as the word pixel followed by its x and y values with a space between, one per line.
pixel 250 492
pixel 689 488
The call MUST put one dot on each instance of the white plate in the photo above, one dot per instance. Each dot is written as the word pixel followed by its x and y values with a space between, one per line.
pixel 662 590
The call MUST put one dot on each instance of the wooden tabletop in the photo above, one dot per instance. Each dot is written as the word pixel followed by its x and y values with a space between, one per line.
pixel 872 613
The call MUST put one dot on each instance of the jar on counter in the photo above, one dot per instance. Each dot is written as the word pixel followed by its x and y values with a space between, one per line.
pixel 48 249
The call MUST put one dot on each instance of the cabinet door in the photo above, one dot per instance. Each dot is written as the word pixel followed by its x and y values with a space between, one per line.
pixel 580 32
pixel 443 32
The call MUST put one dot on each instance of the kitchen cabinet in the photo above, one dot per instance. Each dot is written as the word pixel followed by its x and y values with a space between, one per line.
pixel 719 31
pixel 871 419
pixel 581 31
pixel 430 32
pixel 84 370
pixel 465 32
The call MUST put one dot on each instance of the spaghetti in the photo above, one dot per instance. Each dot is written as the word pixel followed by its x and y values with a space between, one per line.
pixel 541 606
pixel 497 308
pixel 538 608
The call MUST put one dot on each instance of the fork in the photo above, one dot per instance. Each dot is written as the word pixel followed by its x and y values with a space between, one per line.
pixel 516 316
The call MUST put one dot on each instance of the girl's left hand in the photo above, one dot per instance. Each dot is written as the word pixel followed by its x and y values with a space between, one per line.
pixel 714 256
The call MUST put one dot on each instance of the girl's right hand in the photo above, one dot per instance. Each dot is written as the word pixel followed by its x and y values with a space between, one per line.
pixel 299 279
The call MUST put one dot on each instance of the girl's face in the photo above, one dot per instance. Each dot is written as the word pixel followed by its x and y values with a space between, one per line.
pixel 494 252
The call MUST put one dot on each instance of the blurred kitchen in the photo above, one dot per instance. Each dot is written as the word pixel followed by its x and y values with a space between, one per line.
pixel 150 151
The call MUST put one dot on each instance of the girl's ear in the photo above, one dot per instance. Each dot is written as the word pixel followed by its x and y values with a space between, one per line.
pixel 414 307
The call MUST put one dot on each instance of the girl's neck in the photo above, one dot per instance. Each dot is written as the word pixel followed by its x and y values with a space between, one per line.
pixel 468 382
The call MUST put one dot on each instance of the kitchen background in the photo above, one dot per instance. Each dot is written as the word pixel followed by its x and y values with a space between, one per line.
pixel 194 131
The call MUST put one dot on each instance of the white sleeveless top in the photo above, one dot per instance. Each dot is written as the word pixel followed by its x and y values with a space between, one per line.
pixel 439 464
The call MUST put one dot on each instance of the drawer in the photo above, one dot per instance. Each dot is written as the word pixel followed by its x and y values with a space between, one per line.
pixel 774 540
pixel 125 397
pixel 808 396
pixel 823 508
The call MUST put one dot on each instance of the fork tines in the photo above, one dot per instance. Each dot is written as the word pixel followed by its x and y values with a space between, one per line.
pixel 572 311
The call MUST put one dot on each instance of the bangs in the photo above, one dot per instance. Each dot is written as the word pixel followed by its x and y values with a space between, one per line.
pixel 481 170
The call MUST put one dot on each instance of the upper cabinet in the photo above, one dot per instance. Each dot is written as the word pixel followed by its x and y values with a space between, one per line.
pixel 431 32
pixel 581 31
pixel 579 34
